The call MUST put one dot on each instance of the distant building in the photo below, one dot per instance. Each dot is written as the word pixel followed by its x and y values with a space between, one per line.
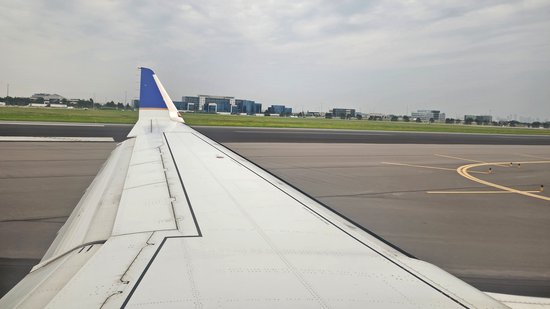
pixel 51 98
pixel 248 107
pixel 279 110
pixel 314 114
pixel 188 104
pixel 426 115
pixel 342 112
pixel 478 118
pixel 218 104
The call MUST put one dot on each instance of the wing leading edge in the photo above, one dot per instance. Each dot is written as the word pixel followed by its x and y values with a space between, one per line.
pixel 175 219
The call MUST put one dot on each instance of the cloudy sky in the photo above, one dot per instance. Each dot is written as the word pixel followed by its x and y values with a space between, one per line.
pixel 377 56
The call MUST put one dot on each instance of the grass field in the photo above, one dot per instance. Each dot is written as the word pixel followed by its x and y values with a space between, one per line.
pixel 194 119
pixel 67 115
pixel 197 119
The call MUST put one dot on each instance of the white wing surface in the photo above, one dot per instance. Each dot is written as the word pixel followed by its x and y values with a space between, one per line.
pixel 175 219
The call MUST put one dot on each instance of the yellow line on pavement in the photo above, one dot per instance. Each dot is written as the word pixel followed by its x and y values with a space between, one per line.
pixel 467 160
pixel 463 171
pixel 474 192
pixel 429 167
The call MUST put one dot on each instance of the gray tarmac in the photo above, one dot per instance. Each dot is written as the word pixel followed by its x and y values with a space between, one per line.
pixel 496 241
pixel 291 135
pixel 45 129
pixel 40 184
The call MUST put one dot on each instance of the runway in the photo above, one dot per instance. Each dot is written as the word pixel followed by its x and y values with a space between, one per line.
pixel 402 186
pixel 290 135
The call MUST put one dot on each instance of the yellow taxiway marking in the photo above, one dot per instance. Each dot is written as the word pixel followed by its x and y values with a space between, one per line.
pixel 430 167
pixel 467 160
pixel 475 192
pixel 463 171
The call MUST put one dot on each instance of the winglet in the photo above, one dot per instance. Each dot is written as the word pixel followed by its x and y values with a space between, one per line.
pixel 154 99
pixel 149 92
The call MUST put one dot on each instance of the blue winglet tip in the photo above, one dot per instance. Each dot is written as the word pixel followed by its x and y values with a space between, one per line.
pixel 149 92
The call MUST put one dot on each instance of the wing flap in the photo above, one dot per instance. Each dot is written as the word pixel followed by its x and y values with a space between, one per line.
pixel 146 203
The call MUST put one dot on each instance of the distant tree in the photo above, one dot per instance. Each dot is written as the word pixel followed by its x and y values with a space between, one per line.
pixel 110 104
pixel 17 101
pixel 406 118
pixel 82 104
pixel 328 116
pixel 514 123
pixel 449 120
pixel 97 105
pixel 536 124
pixel 127 106
pixel 359 117
pixel 546 125
pixel 120 105
pixel 458 121
pixel 394 118
pixel 266 113
pixel 418 120
pixel 432 120
pixel 468 121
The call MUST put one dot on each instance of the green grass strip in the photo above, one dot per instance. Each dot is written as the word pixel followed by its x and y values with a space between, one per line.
pixel 200 119
pixel 67 115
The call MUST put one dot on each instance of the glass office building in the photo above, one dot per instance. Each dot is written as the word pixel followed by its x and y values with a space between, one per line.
pixel 248 107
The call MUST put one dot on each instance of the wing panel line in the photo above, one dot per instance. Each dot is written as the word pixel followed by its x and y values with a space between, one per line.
pixel 184 189
pixel 134 288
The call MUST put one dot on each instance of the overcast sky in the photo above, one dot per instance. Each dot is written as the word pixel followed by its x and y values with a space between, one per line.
pixel 377 56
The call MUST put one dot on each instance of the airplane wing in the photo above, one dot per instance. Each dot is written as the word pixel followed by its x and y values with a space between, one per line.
pixel 174 219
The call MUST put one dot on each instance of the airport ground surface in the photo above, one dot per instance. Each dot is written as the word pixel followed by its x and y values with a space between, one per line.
pixel 404 187
pixel 276 135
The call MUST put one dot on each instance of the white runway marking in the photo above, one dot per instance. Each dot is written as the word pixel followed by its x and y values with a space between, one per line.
pixel 42 123
pixel 54 139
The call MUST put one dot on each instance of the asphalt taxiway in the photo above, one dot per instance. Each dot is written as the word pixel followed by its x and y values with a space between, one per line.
pixel 412 189
pixel 291 135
